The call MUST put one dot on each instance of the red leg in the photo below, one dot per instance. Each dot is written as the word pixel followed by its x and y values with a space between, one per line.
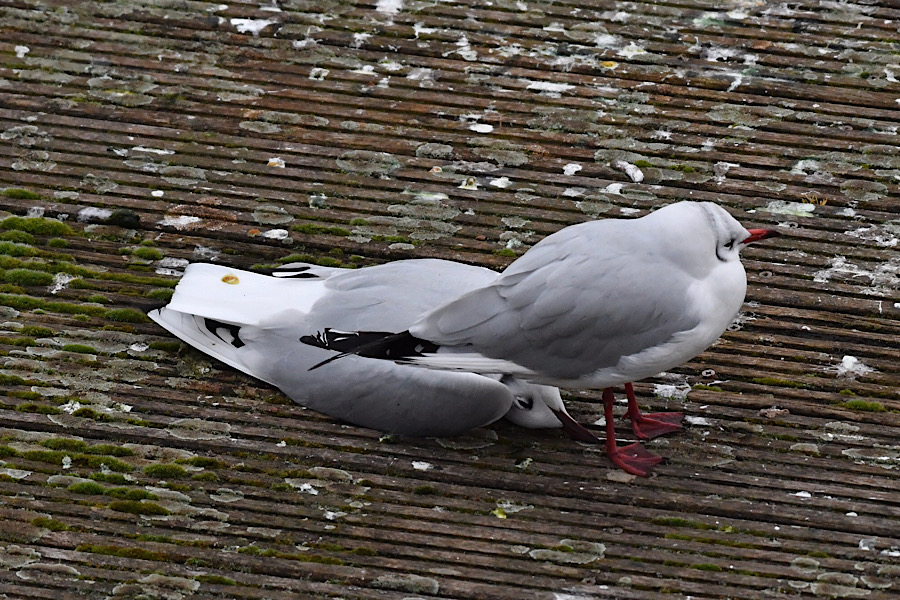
pixel 651 425
pixel 633 458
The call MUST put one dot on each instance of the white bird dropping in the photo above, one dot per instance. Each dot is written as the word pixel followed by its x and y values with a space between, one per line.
pixel 631 170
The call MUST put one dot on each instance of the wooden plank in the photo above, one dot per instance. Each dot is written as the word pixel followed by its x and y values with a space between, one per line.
pixel 780 486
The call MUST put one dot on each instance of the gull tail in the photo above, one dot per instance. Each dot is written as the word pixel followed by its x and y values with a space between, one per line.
pixel 220 340
pixel 246 298
pixel 369 344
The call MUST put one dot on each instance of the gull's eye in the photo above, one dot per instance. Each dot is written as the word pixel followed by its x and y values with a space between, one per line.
pixel 730 245
pixel 524 402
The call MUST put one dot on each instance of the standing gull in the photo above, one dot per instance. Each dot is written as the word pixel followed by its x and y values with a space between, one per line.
pixel 254 322
pixel 594 305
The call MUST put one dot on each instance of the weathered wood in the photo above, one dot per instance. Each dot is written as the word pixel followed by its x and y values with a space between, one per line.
pixel 783 482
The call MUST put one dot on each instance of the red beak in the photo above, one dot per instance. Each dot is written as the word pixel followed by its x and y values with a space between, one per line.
pixel 760 234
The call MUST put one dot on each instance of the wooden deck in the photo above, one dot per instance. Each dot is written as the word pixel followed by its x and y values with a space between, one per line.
pixel 137 137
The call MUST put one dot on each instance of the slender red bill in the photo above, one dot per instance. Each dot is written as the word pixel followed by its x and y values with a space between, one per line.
pixel 760 234
pixel 574 428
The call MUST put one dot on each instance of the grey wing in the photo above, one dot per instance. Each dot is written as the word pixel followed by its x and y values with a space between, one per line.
pixel 380 394
pixel 370 393
pixel 391 296
pixel 570 316
pixel 494 307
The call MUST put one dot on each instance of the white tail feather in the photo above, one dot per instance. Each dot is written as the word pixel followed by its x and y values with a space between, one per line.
pixel 241 297
pixel 192 329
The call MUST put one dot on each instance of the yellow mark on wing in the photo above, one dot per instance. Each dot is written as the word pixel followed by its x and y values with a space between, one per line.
pixel 231 279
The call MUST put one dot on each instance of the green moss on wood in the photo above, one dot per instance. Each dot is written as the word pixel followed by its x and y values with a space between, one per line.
pixel 126 315
pixel 20 194
pixel 13 249
pixel 708 388
pixel 7 380
pixel 121 551
pixel 137 507
pixel 145 423
pixel 8 452
pixel 88 488
pixel 37 226
pixel 775 381
pixel 166 346
pixel 19 237
pixel 79 348
pixel 215 579
pixel 49 523
pixel 312 229
pixel 147 253
pixel 86 412
pixel 110 450
pixel 36 331
pixel 166 471
pixel 19 341
pixel 205 462
pixel 23 302
pixel 126 493
pixel 114 478
pixel 27 277
pixel 680 522
pixel 864 405
pixel 68 444
pixel 92 461
pixel 161 294
pixel 42 409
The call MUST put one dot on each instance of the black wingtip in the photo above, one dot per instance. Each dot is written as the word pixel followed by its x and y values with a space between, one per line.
pixel 368 344
pixel 330 359
pixel 290 271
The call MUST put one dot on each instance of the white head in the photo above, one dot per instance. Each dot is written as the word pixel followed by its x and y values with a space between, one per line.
pixel 730 236
pixel 533 405
pixel 540 406
pixel 700 236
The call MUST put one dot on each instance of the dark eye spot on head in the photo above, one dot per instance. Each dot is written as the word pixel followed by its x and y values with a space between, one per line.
pixel 525 402
pixel 730 245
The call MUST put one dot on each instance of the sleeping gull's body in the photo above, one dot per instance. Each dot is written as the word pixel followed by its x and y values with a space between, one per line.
pixel 592 306
pixel 254 322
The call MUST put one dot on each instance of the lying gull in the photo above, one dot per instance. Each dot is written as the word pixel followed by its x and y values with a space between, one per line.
pixel 254 322
pixel 592 306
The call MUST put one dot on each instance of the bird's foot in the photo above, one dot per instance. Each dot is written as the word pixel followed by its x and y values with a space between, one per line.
pixel 651 425
pixel 634 459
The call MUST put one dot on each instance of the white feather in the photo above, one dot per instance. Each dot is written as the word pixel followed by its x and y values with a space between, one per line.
pixel 191 329
pixel 226 294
